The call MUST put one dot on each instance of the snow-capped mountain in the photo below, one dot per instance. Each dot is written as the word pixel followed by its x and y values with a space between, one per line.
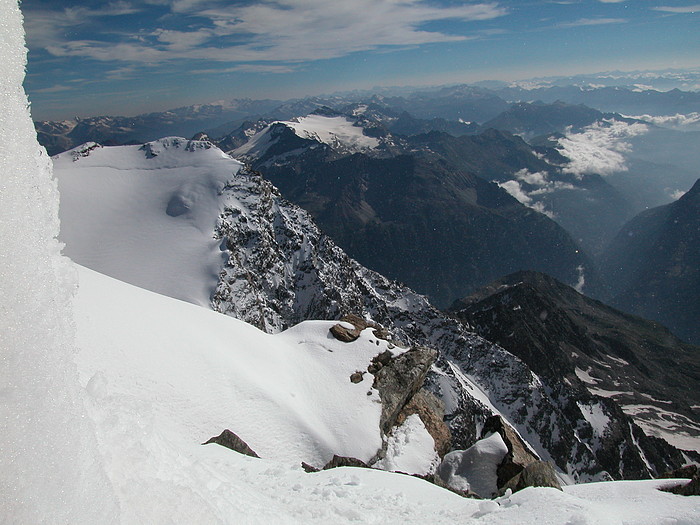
pixel 279 269
pixel 418 209
pixel 106 392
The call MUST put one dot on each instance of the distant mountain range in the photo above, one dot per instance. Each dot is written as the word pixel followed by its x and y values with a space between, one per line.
pixel 577 342
pixel 419 209
pixel 447 189
pixel 181 209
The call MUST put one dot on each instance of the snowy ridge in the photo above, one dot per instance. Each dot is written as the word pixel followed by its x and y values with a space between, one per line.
pixel 277 269
pixel 339 132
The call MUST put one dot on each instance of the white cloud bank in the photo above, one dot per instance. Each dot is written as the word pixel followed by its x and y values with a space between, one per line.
pixel 600 148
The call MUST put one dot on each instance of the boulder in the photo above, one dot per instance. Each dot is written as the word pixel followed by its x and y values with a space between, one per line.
pixel 344 334
pixel 309 468
pixel 230 440
pixel 343 461
pixel 399 380
pixel 692 488
pixel 356 377
pixel 519 455
pixel 348 335
pixel 536 474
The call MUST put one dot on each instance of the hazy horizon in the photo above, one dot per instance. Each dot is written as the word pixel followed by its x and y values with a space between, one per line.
pixel 127 58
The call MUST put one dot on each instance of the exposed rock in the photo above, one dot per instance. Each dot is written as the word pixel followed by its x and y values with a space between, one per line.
pixel 356 377
pixel 275 285
pixel 230 440
pixel 343 461
pixel 692 488
pixel 687 471
pixel 345 334
pixel 518 456
pixel 536 474
pixel 431 411
pixel 399 380
pixel 348 335
pixel 309 468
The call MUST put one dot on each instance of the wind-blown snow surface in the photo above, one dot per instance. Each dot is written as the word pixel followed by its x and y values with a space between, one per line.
pixel 163 376
pixel 145 214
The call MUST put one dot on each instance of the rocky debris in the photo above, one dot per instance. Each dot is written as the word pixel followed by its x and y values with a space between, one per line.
pixel 230 440
pixel 356 377
pixel 687 471
pixel 518 456
pixel 379 361
pixel 431 411
pixel 399 380
pixel 343 461
pixel 536 474
pixel 691 488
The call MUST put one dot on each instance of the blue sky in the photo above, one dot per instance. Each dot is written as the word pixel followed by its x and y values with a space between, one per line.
pixel 127 57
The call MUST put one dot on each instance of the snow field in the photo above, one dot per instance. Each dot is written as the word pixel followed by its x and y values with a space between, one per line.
pixel 147 220
pixel 163 376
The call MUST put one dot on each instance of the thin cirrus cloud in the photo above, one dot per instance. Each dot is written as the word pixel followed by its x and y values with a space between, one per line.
pixel 593 22
pixel 690 9
pixel 289 31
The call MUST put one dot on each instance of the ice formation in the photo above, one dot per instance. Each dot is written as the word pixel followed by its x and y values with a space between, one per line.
pixel 50 468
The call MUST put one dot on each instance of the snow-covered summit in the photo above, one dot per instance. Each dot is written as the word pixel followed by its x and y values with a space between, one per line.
pixel 342 133
pixel 145 214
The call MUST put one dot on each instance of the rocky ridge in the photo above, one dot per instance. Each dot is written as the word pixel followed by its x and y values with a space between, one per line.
pixel 282 269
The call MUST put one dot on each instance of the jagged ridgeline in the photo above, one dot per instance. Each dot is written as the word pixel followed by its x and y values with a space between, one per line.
pixel 262 259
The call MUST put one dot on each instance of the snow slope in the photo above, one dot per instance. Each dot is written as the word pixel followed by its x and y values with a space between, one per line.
pixel 190 373
pixel 162 376
pixel 276 268
pixel 145 214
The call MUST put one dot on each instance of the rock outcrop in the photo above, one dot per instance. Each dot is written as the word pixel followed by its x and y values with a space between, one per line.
pixel 230 440
pixel 692 488
pixel 536 474
pixel 519 455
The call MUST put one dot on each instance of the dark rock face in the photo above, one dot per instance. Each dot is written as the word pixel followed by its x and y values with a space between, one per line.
pixel 687 471
pixel 539 119
pixel 654 265
pixel 423 212
pixel 566 337
pixel 230 440
pixel 536 474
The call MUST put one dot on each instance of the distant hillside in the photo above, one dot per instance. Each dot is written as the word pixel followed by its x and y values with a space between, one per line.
pixel 654 265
